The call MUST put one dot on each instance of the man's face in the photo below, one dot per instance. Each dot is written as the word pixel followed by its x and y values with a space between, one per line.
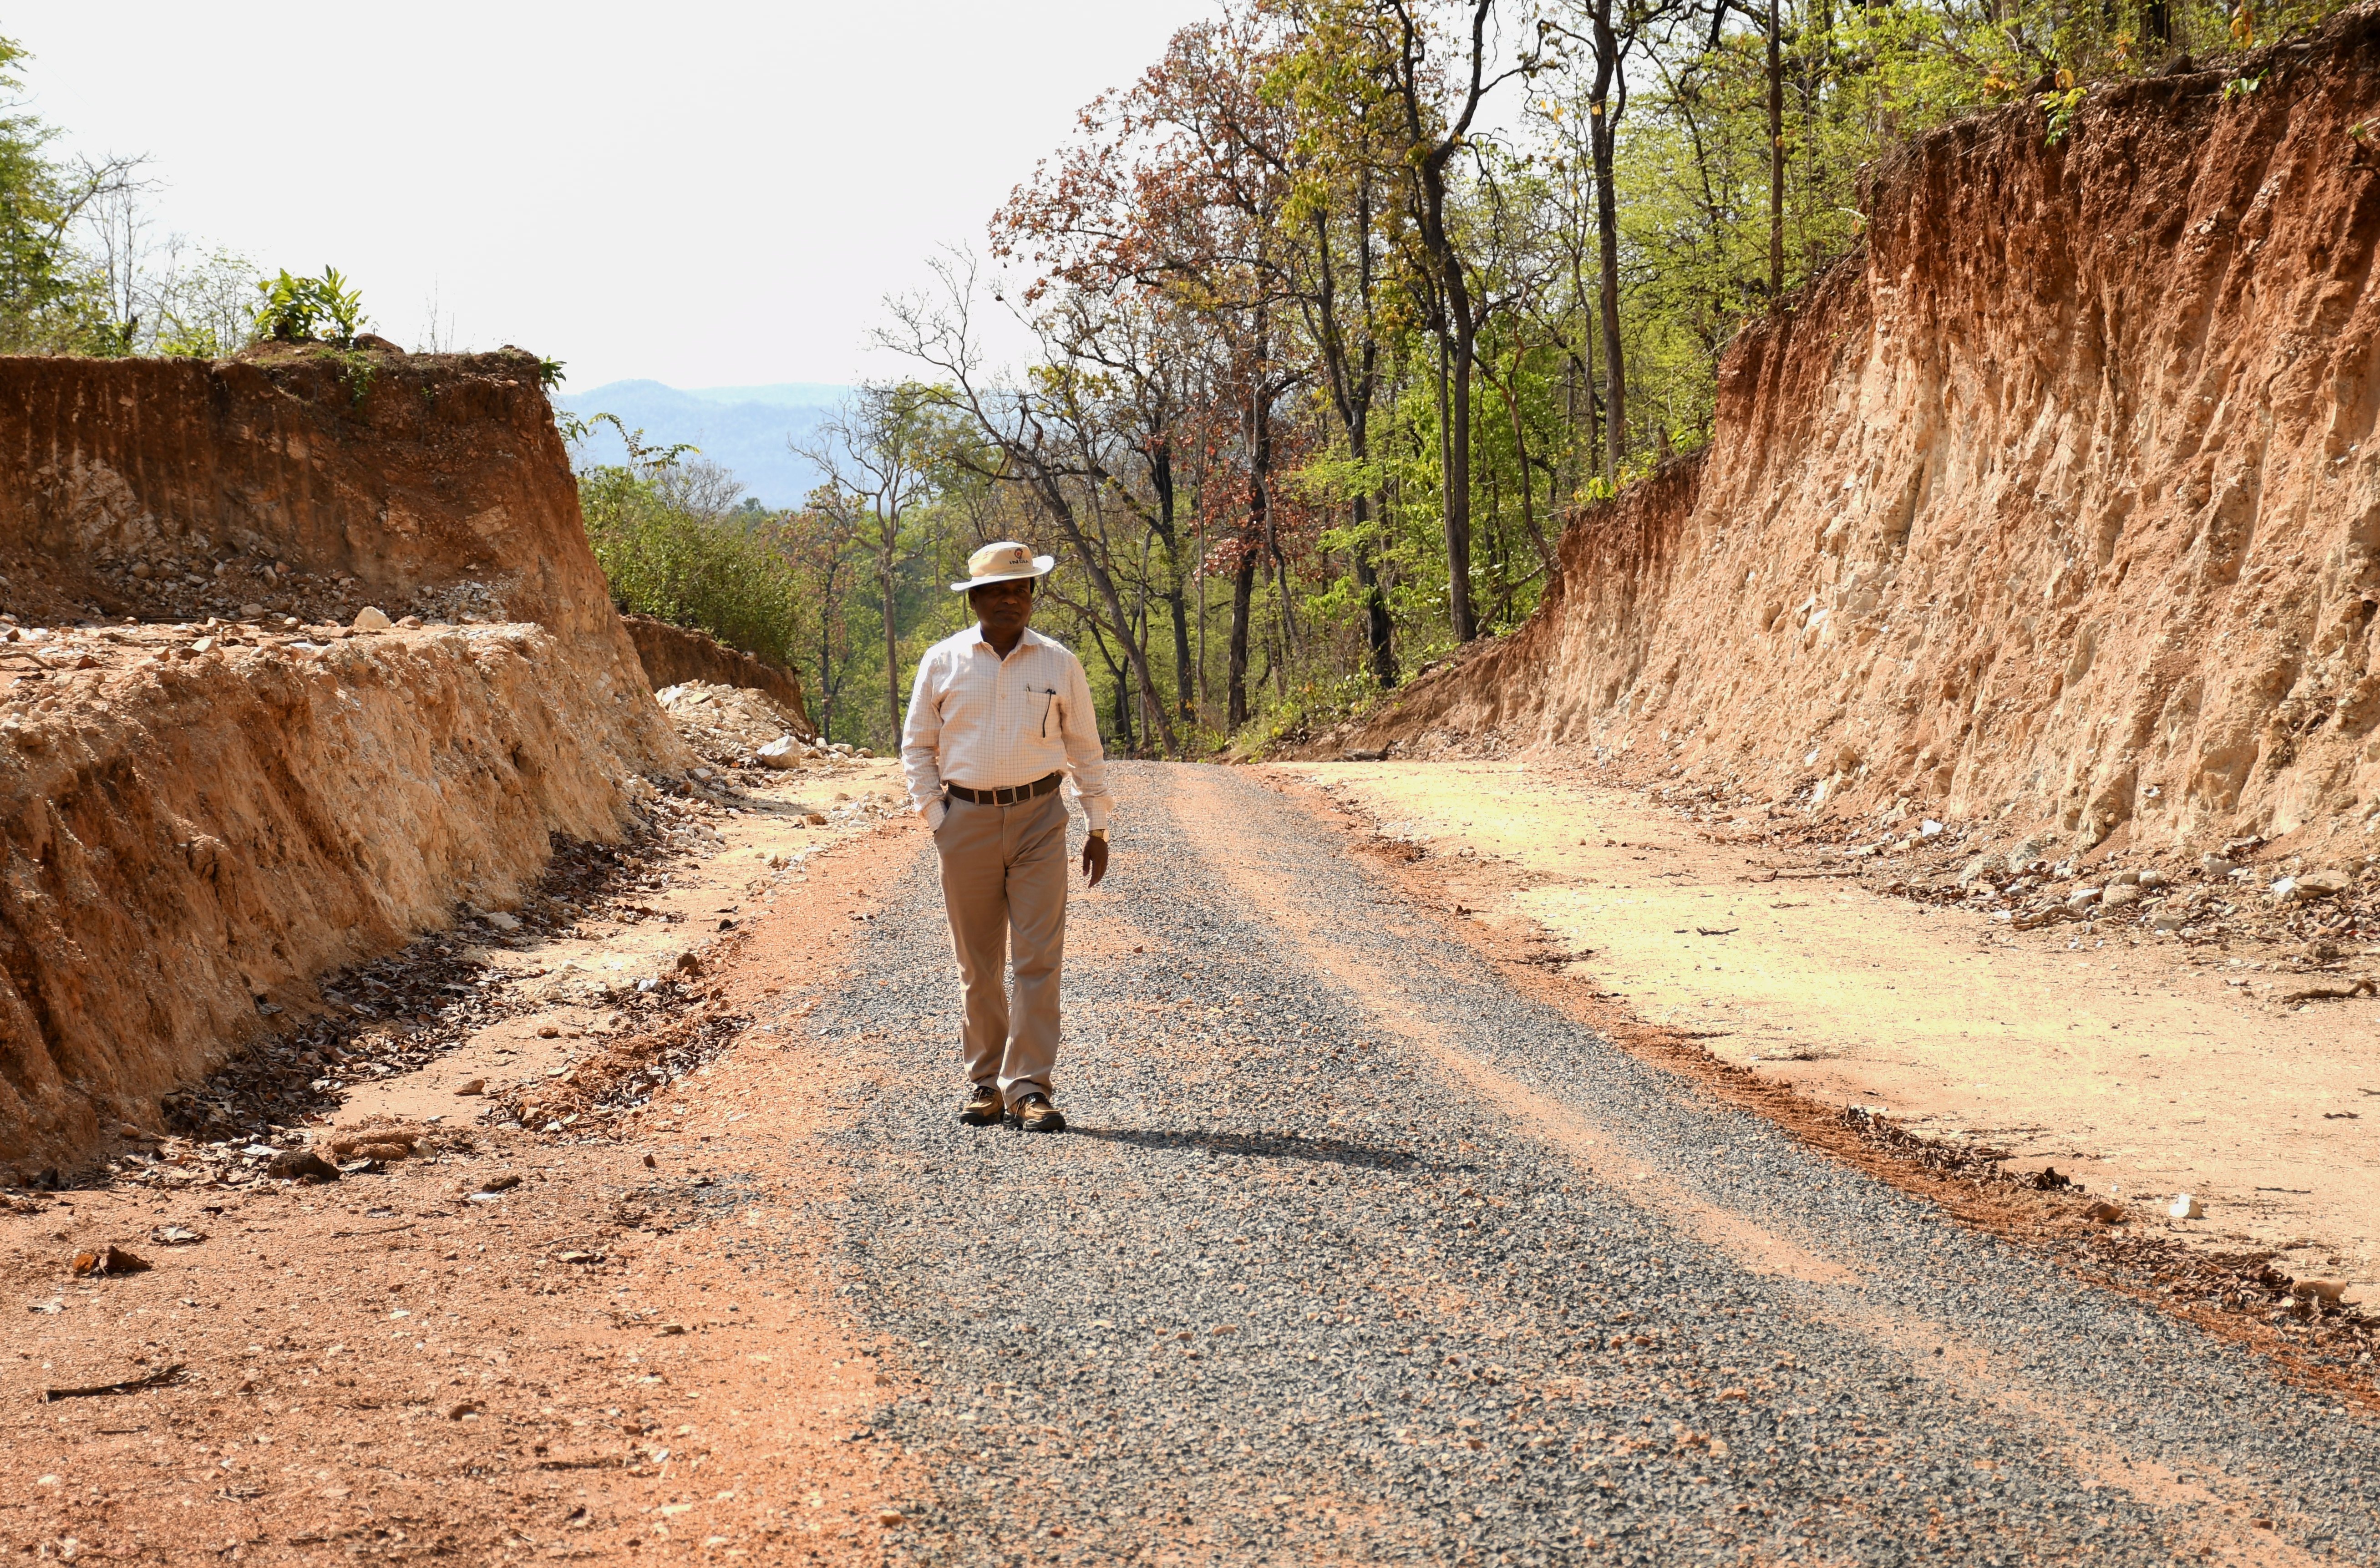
pixel 1004 608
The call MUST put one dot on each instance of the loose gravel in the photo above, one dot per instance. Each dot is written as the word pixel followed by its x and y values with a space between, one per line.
pixel 1353 1254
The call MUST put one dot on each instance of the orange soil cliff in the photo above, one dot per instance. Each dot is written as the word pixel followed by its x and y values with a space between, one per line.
pixel 195 820
pixel 299 481
pixel 2057 500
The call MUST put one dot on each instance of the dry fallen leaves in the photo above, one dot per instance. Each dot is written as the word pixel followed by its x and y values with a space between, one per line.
pixel 109 1259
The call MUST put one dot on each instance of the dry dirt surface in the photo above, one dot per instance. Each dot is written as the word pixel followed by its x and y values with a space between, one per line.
pixel 617 1340
pixel 2141 1068
pixel 1358 1249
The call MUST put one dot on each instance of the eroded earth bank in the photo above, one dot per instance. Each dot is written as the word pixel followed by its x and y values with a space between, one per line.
pixel 1985 728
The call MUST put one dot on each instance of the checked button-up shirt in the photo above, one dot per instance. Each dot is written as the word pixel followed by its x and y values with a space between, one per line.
pixel 987 722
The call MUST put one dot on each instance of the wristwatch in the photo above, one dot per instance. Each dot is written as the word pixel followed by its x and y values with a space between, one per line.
pixel 1099 833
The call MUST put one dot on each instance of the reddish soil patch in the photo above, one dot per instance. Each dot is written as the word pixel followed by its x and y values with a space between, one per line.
pixel 606 1359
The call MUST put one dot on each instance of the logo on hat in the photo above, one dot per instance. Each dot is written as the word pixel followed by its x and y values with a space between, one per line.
pixel 1004 561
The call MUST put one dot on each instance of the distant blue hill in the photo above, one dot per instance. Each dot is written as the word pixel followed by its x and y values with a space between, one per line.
pixel 742 429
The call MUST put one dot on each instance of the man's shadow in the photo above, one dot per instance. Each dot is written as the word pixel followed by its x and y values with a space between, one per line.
pixel 1325 1151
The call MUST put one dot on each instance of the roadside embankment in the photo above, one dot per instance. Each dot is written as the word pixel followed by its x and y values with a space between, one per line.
pixel 212 790
pixel 676 655
pixel 196 825
pixel 295 481
pixel 2054 506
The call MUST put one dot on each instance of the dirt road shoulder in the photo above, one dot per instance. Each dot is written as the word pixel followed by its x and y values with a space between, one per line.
pixel 2133 1074
pixel 609 1347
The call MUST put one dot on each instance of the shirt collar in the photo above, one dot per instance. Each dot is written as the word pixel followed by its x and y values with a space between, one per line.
pixel 973 638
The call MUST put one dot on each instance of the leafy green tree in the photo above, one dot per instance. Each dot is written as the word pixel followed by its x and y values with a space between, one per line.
pixel 297 309
pixel 882 454
pixel 673 545
pixel 53 300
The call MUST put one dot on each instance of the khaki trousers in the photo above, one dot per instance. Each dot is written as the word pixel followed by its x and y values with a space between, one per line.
pixel 1004 884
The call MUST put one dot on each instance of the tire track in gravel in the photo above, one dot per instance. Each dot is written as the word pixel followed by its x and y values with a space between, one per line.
pixel 1933 1349
pixel 1357 1255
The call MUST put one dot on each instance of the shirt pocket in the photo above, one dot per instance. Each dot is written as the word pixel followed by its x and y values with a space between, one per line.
pixel 1049 708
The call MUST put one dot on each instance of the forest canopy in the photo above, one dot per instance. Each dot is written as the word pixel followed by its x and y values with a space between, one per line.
pixel 1343 307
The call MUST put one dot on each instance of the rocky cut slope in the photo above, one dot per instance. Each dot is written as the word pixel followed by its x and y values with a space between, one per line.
pixel 210 793
pixel 2058 500
pixel 674 655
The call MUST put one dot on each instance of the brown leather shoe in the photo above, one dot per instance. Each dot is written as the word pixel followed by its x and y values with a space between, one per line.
pixel 982 1107
pixel 1034 1113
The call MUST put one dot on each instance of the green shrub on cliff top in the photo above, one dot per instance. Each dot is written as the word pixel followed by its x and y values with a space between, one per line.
pixel 296 309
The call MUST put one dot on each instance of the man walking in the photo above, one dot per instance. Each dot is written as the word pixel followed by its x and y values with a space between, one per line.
pixel 998 719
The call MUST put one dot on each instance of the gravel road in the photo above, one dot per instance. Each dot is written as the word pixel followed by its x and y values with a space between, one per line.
pixel 1355 1255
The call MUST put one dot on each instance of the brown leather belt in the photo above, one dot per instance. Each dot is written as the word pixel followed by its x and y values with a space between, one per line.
pixel 1033 791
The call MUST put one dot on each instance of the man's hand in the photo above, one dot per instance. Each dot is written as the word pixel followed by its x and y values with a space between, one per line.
pixel 1095 859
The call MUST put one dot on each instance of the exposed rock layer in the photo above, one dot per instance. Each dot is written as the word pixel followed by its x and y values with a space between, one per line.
pixel 2057 499
pixel 674 655
pixel 187 839
pixel 169 488
pixel 192 827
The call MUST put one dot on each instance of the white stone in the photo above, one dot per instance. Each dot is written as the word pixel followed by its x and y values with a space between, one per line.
pixel 372 618
pixel 783 753
pixel 2185 1206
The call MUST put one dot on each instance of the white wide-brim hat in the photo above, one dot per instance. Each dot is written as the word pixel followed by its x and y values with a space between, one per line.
pixel 1003 562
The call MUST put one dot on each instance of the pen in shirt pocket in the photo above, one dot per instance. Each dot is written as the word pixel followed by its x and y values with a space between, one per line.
pixel 1049 700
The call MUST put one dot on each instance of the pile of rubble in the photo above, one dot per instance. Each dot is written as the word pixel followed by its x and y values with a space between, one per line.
pixel 737 727
pixel 2291 911
pixel 2223 895
pixel 173 1162
pixel 400 1012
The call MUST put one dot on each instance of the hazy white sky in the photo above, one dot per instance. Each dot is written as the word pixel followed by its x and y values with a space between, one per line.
pixel 706 193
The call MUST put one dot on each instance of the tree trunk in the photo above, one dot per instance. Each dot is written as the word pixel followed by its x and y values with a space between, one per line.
pixel 1455 481
pixel 1458 514
pixel 1123 712
pixel 1260 518
pixel 891 646
pixel 1512 390
pixel 1607 223
pixel 1236 690
pixel 826 661
pixel 1053 501
pixel 1776 153
pixel 1376 626
pixel 1161 473
pixel 1205 707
